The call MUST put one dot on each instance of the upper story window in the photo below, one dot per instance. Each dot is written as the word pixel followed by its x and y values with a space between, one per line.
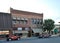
pixel 36 21
pixel 18 18
pixel 14 17
pixel 41 21
pixel 14 22
pixel 22 19
pixel 23 22
pixel 33 21
pixel 25 18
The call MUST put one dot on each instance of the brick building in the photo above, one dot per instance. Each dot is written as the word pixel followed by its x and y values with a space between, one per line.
pixel 27 23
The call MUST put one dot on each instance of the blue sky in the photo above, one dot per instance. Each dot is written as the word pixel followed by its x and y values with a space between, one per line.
pixel 50 8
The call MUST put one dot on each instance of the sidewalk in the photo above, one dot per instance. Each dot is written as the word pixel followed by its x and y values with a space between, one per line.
pixel 29 38
pixel 55 35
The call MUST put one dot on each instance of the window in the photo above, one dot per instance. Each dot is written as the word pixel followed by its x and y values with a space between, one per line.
pixel 22 19
pixel 41 21
pixel 21 22
pixel 25 19
pixel 18 22
pixel 38 21
pixel 33 21
pixel 14 21
pixel 18 18
pixel 25 22
pixel 23 28
pixel 13 17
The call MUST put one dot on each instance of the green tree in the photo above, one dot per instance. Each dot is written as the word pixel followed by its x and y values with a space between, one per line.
pixel 48 25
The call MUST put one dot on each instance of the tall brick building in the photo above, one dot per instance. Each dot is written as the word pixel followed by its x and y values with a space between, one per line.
pixel 28 23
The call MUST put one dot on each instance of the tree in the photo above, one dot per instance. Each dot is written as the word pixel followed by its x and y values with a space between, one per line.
pixel 48 25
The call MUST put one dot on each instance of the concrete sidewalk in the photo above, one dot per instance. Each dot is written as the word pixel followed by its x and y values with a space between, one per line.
pixel 57 35
pixel 29 38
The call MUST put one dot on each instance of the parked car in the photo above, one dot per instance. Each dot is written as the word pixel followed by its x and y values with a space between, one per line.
pixel 44 35
pixel 40 36
pixel 12 37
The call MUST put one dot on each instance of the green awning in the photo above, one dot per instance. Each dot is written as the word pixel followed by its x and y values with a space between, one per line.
pixel 37 30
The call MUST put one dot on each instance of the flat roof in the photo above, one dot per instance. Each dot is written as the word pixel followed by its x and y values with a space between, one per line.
pixel 4 13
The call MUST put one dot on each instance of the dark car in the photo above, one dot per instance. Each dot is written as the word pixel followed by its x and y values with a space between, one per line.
pixel 44 35
pixel 13 37
pixel 40 36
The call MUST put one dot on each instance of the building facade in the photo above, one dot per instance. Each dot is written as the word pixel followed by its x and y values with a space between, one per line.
pixel 26 23
pixel 5 24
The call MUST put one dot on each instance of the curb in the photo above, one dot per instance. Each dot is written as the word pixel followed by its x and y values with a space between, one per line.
pixel 30 38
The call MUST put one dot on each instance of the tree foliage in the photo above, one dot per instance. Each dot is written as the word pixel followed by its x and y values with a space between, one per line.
pixel 48 24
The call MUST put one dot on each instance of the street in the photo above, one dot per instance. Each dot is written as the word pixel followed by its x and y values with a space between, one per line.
pixel 36 40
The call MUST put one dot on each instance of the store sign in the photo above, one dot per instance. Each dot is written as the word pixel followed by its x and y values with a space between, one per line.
pixel 19 28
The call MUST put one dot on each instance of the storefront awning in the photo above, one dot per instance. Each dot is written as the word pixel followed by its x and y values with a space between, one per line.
pixel 37 30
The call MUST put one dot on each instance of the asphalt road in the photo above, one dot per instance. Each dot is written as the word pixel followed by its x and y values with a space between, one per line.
pixel 36 40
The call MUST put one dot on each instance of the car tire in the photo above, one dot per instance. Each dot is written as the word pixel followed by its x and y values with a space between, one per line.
pixel 18 39
pixel 9 39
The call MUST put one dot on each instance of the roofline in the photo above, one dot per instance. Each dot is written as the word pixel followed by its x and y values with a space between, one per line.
pixel 25 11
pixel 4 13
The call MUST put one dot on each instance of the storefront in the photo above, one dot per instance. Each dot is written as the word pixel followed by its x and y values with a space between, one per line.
pixel 21 32
pixel 4 33
pixel 36 32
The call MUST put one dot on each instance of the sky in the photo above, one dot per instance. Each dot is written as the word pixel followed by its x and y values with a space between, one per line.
pixel 49 8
